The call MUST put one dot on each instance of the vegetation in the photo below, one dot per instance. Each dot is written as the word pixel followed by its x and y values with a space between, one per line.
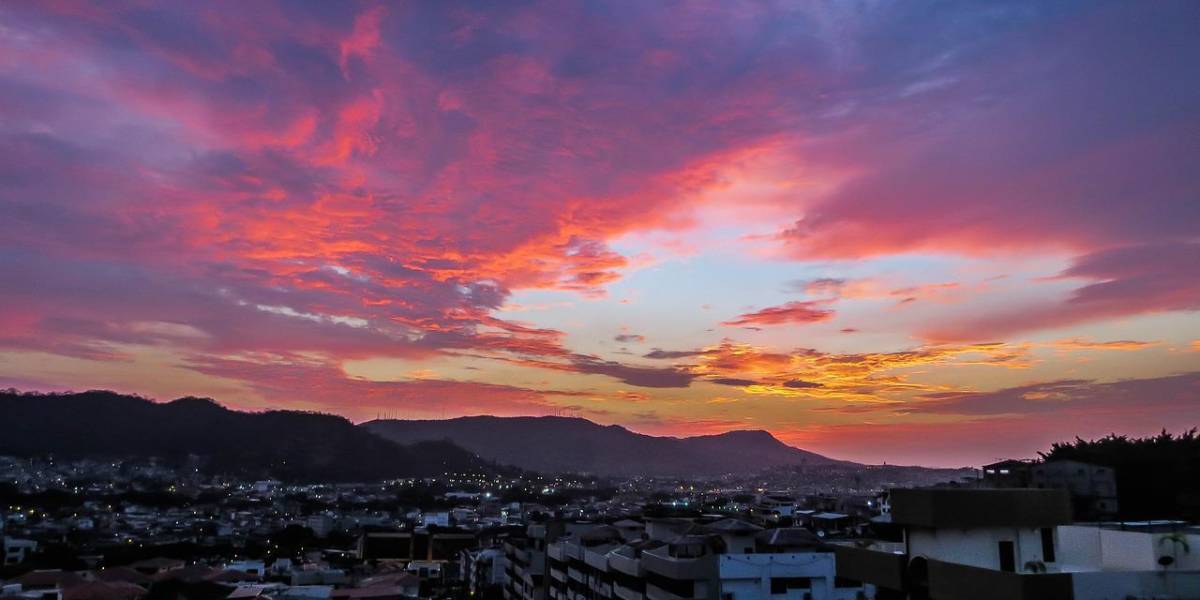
pixel 1157 477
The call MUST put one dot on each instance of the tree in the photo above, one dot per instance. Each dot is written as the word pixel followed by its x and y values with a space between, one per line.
pixel 1157 477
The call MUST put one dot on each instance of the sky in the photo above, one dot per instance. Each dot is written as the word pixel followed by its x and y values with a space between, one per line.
pixel 902 232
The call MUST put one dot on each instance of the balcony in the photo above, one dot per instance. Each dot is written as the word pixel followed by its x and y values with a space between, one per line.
pixel 951 580
pixel 653 592
pixel 625 593
pixel 624 564
pixel 660 562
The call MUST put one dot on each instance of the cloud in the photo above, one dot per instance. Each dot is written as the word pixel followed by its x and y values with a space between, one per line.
pixel 659 353
pixel 1081 344
pixel 875 378
pixel 1127 280
pixel 314 384
pixel 824 286
pixel 733 381
pixel 799 312
pixel 633 375
pixel 1176 391
pixel 629 338
pixel 799 384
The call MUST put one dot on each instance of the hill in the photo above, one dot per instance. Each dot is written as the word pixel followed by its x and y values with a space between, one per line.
pixel 289 445
pixel 560 444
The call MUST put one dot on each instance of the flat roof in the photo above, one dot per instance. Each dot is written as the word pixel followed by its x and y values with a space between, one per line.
pixel 972 507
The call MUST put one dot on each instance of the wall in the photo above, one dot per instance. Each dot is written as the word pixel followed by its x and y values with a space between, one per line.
pixel 1114 585
pixel 1079 545
pixel 976 547
pixel 748 576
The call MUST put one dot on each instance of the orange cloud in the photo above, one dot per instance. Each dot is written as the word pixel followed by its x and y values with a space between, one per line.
pixel 1082 344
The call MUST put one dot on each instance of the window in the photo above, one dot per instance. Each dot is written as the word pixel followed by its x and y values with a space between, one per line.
pixel 781 585
pixel 1048 544
pixel 1008 557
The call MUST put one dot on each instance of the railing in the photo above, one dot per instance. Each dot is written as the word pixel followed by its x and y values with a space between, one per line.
pixel 952 580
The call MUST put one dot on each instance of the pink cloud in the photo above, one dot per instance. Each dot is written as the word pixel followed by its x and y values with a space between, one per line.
pixel 1127 280
pixel 798 312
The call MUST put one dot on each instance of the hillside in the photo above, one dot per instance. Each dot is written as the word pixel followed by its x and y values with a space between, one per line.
pixel 558 444
pixel 283 444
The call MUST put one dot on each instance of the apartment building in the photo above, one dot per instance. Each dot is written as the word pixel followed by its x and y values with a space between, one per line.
pixel 525 568
pixel 1093 488
pixel 727 559
pixel 484 572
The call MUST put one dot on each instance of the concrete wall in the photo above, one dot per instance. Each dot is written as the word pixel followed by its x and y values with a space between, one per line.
pixel 1127 551
pixel 1079 546
pixel 1116 585
pixel 976 547
pixel 748 576
pixel 1116 550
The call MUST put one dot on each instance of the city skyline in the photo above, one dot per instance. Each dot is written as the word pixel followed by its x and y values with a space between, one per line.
pixel 882 232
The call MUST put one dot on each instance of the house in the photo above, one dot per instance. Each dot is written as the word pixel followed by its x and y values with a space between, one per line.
pixel 1093 488
pixel 1011 544
pixel 249 567
pixel 157 566
pixel 1008 474
pixel 17 551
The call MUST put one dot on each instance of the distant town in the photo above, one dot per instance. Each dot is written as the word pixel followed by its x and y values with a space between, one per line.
pixel 146 528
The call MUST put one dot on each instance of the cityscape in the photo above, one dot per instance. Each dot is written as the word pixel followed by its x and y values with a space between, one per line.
pixel 599 300
pixel 786 524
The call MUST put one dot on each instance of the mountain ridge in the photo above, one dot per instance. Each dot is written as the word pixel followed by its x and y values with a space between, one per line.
pixel 572 444
pixel 290 445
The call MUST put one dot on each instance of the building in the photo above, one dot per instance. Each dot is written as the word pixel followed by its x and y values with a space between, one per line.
pixel 1093 488
pixel 774 509
pixel 727 559
pixel 525 571
pixel 1008 474
pixel 1011 544
pixel 433 544
pixel 484 572
pixel 17 551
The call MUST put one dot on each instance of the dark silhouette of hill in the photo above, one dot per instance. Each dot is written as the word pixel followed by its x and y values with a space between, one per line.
pixel 1157 477
pixel 559 444
pixel 296 446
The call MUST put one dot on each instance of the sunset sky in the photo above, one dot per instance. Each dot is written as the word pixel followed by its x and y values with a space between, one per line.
pixel 881 231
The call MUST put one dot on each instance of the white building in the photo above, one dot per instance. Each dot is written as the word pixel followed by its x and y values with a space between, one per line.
pixel 724 560
pixel 17 551
pixel 1013 544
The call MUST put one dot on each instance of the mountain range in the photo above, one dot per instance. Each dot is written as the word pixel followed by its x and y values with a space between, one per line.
pixel 563 444
pixel 303 446
pixel 289 445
